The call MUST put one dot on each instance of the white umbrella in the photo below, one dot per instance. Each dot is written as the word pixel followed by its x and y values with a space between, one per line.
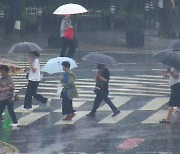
pixel 54 65
pixel 70 9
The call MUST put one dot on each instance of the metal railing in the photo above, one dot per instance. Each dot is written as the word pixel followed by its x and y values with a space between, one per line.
pixel 91 13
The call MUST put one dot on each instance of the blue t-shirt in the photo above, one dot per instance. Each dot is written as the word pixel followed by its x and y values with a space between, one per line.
pixel 64 81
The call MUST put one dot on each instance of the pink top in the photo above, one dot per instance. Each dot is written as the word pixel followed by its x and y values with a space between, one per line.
pixel 6 82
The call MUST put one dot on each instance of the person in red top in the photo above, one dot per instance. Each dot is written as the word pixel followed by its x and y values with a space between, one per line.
pixel 66 43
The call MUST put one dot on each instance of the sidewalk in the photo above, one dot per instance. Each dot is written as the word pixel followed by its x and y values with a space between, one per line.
pixel 94 41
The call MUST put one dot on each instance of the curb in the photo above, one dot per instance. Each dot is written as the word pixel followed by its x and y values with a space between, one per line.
pixel 7 148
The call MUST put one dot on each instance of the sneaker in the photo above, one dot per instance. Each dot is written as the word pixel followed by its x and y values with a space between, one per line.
pixel 15 125
pixel 73 114
pixel 27 109
pixel 48 102
pixel 67 118
pixel 176 109
pixel 115 113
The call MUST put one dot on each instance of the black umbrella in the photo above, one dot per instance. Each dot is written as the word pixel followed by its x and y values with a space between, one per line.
pixel 169 57
pixel 99 59
pixel 24 47
pixel 174 45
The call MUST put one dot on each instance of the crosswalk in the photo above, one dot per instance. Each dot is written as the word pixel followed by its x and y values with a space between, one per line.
pixel 26 119
pixel 123 89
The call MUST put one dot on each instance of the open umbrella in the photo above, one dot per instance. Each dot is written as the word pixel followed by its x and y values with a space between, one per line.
pixel 174 45
pixel 14 68
pixel 170 58
pixel 100 59
pixel 24 47
pixel 70 9
pixel 54 65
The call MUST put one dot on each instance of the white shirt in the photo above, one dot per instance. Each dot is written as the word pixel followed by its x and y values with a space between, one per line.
pixel 35 76
pixel 173 80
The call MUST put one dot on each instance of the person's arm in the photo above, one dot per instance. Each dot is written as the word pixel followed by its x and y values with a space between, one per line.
pixel 174 75
pixel 33 67
pixel 173 4
pixel 101 78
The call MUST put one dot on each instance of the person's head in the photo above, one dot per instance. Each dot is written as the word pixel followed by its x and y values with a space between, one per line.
pixel 4 70
pixel 67 16
pixel 66 66
pixel 33 54
pixel 100 66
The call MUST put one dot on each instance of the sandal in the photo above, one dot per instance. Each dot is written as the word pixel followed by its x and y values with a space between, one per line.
pixel 164 121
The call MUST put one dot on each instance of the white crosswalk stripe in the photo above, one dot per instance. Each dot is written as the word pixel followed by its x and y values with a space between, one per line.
pixel 155 104
pixel 20 109
pixel 118 102
pixel 32 117
pixel 156 117
pixel 114 120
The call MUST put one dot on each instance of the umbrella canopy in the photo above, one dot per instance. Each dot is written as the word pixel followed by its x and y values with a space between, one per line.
pixel 14 68
pixel 170 58
pixel 24 47
pixel 99 59
pixel 174 45
pixel 54 65
pixel 70 9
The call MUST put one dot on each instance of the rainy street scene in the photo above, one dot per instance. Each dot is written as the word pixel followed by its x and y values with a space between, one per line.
pixel 89 77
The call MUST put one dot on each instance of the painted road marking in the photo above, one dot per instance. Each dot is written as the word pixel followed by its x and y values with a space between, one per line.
pixel 116 119
pixel 32 117
pixel 156 117
pixel 78 116
pixel 155 104
pixel 130 143
pixel 118 101
pixel 20 109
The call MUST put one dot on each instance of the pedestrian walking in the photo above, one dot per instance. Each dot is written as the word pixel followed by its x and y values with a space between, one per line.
pixel 101 90
pixel 6 94
pixel 174 101
pixel 33 82
pixel 69 91
pixel 67 43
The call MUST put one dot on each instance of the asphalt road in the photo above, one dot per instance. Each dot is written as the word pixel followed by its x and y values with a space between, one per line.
pixel 138 89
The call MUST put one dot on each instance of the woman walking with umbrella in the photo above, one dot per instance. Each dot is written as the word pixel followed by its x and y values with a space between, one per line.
pixel 174 101
pixel 69 91
pixel 102 80
pixel 33 82
pixel 171 58
pixel 67 43
pixel 68 40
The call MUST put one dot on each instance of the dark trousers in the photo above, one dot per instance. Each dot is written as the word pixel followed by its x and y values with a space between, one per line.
pixel 10 106
pixel 67 44
pixel 98 100
pixel 31 91
pixel 67 107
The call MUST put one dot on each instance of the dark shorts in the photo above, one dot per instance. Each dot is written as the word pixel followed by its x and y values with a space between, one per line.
pixel 174 100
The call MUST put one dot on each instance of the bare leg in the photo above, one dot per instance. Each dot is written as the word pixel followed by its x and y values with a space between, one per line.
pixel 170 110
